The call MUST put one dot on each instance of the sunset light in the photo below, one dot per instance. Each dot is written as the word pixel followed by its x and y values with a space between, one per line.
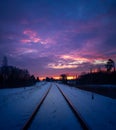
pixel 60 66
pixel 57 62
pixel 77 59
pixel 55 37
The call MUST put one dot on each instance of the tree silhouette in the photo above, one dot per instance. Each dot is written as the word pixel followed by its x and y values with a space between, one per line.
pixel 110 65
pixel 14 77
pixel 64 78
pixel 38 79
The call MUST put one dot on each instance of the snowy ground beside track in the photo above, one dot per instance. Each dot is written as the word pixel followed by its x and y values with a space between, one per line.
pixel 98 111
pixel 17 104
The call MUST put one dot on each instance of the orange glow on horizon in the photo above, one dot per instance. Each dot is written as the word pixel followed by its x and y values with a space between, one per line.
pixel 58 77
pixel 54 77
pixel 41 78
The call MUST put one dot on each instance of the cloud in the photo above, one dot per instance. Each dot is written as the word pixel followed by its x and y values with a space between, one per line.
pixel 23 51
pixel 54 37
pixel 31 37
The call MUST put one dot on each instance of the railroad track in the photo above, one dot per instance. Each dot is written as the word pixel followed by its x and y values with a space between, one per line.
pixel 28 123
pixel 76 113
pixel 78 116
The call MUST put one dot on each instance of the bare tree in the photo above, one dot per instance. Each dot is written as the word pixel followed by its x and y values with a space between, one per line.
pixel 110 65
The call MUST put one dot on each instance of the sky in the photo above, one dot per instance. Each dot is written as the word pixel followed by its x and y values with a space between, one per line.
pixel 52 37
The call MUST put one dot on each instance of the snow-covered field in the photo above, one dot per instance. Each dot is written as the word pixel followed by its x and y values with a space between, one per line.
pixel 16 106
pixel 98 111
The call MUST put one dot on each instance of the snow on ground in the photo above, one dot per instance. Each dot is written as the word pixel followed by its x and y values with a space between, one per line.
pixel 98 111
pixel 17 104
pixel 55 114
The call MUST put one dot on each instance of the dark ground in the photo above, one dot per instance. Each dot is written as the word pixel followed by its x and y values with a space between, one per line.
pixel 106 91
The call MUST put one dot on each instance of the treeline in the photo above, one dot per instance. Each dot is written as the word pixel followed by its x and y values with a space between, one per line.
pixel 100 77
pixel 107 76
pixel 14 77
pixel 97 78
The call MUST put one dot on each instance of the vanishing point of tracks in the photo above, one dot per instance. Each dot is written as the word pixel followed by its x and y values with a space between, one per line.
pixel 76 113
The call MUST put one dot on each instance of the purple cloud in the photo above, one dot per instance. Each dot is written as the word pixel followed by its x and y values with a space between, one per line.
pixel 52 37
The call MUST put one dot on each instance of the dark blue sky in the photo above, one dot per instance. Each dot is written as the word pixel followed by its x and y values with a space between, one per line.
pixel 50 37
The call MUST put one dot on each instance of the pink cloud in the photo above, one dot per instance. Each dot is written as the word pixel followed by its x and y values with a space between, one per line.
pixel 25 41
pixel 32 37
pixel 30 33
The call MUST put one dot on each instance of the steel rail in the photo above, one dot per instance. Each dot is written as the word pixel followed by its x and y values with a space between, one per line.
pixel 28 123
pixel 78 116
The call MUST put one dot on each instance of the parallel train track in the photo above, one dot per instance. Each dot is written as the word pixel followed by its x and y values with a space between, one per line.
pixel 76 113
